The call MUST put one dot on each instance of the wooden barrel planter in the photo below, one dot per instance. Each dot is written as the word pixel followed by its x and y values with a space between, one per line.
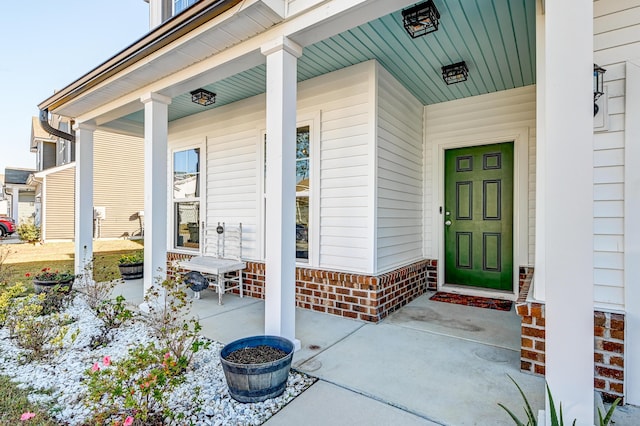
pixel 260 381
pixel 131 271
pixel 63 286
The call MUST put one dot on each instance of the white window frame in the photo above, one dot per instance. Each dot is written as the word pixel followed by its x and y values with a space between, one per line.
pixel 201 199
pixel 313 122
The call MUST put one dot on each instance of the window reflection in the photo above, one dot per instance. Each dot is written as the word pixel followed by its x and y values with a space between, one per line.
pixel 186 193
pixel 302 194
pixel 187 216
pixel 180 5
pixel 186 174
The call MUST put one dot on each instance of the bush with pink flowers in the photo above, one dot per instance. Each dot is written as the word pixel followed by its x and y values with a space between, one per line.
pixel 136 387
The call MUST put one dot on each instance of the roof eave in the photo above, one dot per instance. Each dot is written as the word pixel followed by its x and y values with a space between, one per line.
pixel 161 36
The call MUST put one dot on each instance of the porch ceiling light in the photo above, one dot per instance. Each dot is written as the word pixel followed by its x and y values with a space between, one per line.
pixel 421 19
pixel 455 73
pixel 598 86
pixel 203 97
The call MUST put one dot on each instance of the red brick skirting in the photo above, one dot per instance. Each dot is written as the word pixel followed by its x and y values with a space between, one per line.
pixel 608 342
pixel 365 297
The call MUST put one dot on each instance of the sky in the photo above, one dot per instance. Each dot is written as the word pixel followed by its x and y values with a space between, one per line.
pixel 46 45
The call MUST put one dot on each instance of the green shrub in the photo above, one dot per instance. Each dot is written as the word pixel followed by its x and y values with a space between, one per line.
pixel 7 298
pixel 137 386
pixel 113 313
pixel 41 335
pixel 28 232
pixel 6 269
pixel 170 321
pixel 131 258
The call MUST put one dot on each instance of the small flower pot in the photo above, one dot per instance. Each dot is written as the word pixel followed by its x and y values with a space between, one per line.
pixel 63 286
pixel 131 271
pixel 259 381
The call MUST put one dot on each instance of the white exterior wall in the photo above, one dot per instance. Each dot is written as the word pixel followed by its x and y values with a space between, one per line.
pixel 400 156
pixel 470 119
pixel 337 107
pixel 228 141
pixel 345 208
pixel 616 39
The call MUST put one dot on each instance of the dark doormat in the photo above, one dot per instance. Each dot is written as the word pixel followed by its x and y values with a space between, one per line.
pixel 476 301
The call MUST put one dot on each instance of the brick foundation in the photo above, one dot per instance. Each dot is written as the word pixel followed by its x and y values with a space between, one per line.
pixel 365 297
pixel 608 342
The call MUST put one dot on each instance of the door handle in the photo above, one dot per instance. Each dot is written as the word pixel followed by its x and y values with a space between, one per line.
pixel 448 223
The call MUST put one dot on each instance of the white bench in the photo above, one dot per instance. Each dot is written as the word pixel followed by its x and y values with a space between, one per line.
pixel 224 270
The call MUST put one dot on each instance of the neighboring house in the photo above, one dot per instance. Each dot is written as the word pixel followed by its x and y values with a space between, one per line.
pixel 21 195
pixel 118 184
pixel 362 179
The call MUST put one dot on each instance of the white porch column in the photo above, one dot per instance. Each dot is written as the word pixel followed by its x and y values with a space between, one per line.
pixel 156 129
pixel 84 197
pixel 568 208
pixel 15 202
pixel 632 230
pixel 280 304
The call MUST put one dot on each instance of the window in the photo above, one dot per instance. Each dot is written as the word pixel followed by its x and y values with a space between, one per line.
pixel 302 192
pixel 180 5
pixel 186 198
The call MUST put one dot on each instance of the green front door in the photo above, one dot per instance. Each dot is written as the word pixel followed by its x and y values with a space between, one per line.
pixel 478 216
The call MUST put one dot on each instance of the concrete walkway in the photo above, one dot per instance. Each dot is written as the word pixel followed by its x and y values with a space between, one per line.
pixel 428 363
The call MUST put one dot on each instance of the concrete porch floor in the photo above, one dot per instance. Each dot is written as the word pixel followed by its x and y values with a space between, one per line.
pixel 428 363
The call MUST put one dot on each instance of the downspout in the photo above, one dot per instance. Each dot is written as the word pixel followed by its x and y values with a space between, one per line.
pixel 44 122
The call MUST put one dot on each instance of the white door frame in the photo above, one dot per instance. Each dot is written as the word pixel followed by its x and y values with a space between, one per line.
pixel 520 139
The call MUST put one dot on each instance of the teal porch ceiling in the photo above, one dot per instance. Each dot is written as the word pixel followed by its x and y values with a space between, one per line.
pixel 496 38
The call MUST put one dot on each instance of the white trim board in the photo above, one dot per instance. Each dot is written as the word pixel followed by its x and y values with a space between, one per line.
pixel 520 139
pixel 632 228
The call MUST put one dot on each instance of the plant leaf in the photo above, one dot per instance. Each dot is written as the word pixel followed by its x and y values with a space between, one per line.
pixel 513 416
pixel 607 418
pixel 531 418
pixel 552 409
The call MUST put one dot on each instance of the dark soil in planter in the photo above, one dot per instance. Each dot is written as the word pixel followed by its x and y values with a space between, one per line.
pixel 256 355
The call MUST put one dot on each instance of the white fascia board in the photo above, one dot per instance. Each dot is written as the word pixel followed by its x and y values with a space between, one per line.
pixel 278 6
pixel 47 172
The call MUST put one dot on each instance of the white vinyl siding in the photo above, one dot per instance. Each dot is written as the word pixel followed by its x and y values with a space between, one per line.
pixel 119 183
pixel 229 165
pixel 233 168
pixel 59 208
pixel 469 117
pixel 616 30
pixel 343 97
pixel 400 173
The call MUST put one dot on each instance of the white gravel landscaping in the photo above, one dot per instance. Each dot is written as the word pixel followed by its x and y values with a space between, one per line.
pixel 58 382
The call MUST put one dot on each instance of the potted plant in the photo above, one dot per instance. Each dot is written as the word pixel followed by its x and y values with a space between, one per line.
pixel 131 265
pixel 256 368
pixel 47 279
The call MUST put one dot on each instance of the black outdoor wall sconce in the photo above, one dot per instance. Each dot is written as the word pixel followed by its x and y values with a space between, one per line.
pixel 598 86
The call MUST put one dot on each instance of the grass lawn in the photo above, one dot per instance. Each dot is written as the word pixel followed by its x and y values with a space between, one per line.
pixel 14 402
pixel 16 260
pixel 105 267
